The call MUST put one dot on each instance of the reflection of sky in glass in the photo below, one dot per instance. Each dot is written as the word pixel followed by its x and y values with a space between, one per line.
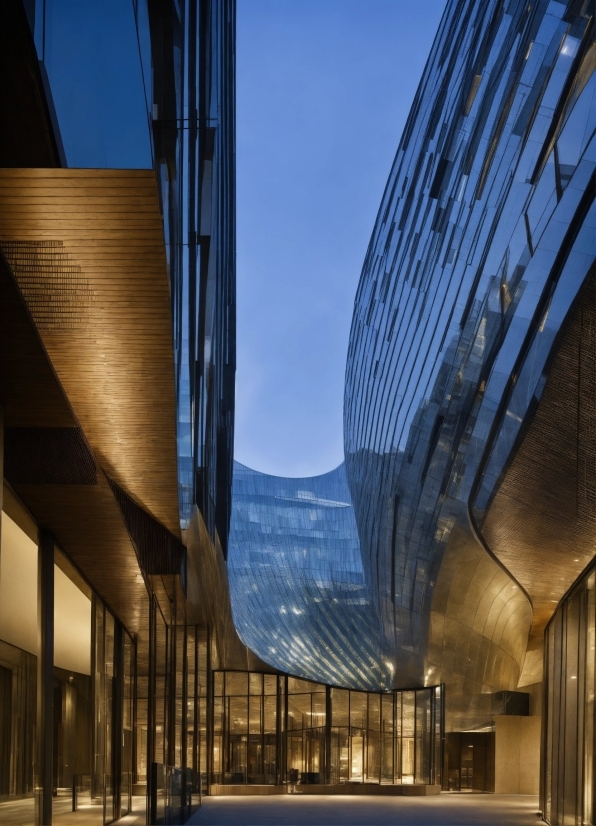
pixel 296 580
pixel 480 246
pixel 91 55
pixel 99 62
pixel 483 239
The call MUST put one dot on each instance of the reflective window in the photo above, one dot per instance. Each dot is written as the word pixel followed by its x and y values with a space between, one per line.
pixel 328 735
pixel 568 783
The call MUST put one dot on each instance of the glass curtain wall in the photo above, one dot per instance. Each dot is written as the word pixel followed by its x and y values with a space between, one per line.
pixel 18 670
pixel 73 686
pixel 306 719
pixel 202 707
pixel 393 737
pixel 187 60
pixel 93 689
pixel 245 730
pixel 269 729
pixel 568 783
pixel 113 702
pixel 176 730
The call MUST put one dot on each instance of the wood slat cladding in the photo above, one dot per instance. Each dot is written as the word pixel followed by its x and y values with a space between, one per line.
pixel 88 525
pixel 26 375
pixel 542 521
pixel 159 551
pixel 84 518
pixel 99 233
pixel 47 456
pixel 57 294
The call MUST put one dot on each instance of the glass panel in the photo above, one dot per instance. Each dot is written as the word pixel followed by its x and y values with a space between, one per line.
pixel 202 712
pixel 73 704
pixel 295 755
pixel 97 780
pixel 387 738
pixel 296 686
pixel 571 707
pixel 270 715
pixel 179 708
pixel 255 683
pixel 340 707
pixel 318 715
pixel 373 744
pixel 340 755
pixel 254 719
pixel 270 684
pixel 161 687
pixel 237 715
pixel 127 724
pixel 218 683
pixel 299 711
pixel 109 714
pixel 397 759
pixel 437 750
pixel 568 767
pixel 407 738
pixel 236 683
pixel 357 757
pixel 423 729
pixel 357 710
pixel 191 695
pixel 247 727
pixel 18 672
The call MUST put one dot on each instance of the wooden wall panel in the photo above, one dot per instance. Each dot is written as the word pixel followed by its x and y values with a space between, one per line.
pixel 87 250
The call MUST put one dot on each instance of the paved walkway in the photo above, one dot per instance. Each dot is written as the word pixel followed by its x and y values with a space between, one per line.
pixel 340 810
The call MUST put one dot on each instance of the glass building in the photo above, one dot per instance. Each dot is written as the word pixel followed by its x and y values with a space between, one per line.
pixel 117 240
pixel 174 624
pixel 468 406
pixel 295 564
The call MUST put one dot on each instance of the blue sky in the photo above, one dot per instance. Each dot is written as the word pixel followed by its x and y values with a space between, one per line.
pixel 324 88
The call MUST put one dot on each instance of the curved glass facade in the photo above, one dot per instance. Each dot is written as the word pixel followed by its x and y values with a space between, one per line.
pixel 482 243
pixel 483 239
pixel 298 592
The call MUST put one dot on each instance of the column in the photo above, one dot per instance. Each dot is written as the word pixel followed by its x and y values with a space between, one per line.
pixel 45 680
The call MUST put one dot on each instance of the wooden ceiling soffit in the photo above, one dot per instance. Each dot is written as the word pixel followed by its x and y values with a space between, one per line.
pixel 86 249
pixel 30 392
pixel 541 523
pixel 47 456
pixel 159 551
pixel 87 524
pixel 51 468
